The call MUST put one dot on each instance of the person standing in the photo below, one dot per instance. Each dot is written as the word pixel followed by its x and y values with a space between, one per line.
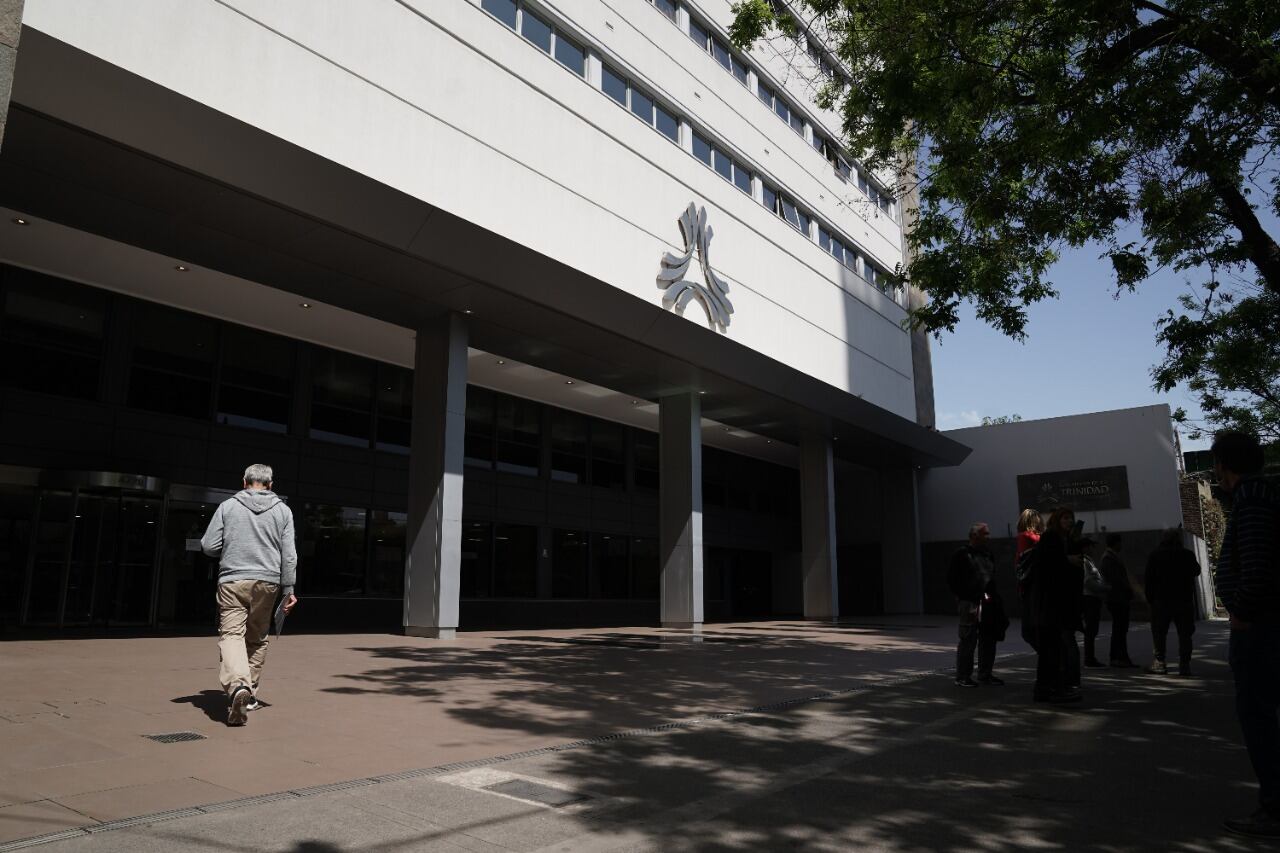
pixel 1248 581
pixel 1119 600
pixel 1030 526
pixel 1054 582
pixel 252 536
pixel 971 577
pixel 1095 590
pixel 1170 580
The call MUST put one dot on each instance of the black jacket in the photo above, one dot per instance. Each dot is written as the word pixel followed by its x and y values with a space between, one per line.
pixel 1248 573
pixel 1056 596
pixel 971 573
pixel 1117 576
pixel 1171 576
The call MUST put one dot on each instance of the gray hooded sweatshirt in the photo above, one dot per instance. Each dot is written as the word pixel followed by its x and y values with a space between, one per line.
pixel 252 535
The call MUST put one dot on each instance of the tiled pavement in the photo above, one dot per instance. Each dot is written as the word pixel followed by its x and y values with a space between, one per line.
pixel 911 764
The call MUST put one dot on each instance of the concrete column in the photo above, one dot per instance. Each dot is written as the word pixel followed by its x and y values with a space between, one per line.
pixel 818 527
pixel 10 30
pixel 900 542
pixel 434 537
pixel 680 510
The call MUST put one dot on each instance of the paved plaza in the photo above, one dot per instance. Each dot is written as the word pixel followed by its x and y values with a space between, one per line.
pixel 561 740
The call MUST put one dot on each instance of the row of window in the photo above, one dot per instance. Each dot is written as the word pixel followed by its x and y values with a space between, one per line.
pixel 702 35
pixel 54 336
pixel 547 37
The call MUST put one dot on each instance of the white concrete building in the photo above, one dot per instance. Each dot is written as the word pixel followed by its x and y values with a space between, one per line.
pixel 417 204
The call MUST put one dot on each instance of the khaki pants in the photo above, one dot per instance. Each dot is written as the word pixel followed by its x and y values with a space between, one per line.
pixel 244 623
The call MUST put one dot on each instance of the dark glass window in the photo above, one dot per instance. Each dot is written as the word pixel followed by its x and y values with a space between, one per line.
pixel 642 106
pixel 702 149
pixel 519 433
pixel 645 569
pixel 173 358
pixel 796 121
pixel 568 564
pixel 765 94
pixel 479 434
pixel 739 70
pixel 568 446
pixel 536 30
pixel 609 565
pixel 395 408
pixel 51 335
pixel 16 508
pixel 515 561
pixel 714 463
pixel 668 125
pixel 644 452
pixel 724 165
pixel 476 573
pixel 824 239
pixel 699 34
pixel 255 385
pixel 721 52
pixel 386 553
pixel 503 10
pixel 771 200
pixel 780 107
pixel 571 56
pixel 331 547
pixel 614 85
pixel 741 178
pixel 608 455
pixel 666 7
pixel 341 397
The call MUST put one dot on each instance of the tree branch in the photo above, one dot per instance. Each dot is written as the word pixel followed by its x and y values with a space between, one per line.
pixel 1262 249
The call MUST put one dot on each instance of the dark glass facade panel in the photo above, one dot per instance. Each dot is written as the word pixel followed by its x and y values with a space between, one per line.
pixel 609 565
pixel 51 335
pixel 724 165
pixel 518 429
pixel 515 561
pixel 536 30
pixel 571 55
pixel 172 361
pixel 53 536
pixel 721 52
pixel 714 463
pixel 255 384
pixel 645 568
pixel 666 7
pixel 331 550
pixel 644 454
pixel 739 70
pixel 765 93
pixel 608 455
pixel 568 446
pixel 771 200
pixel 395 408
pixel 503 10
pixel 702 149
pixel 568 564
pixel 341 397
pixel 17 505
pixel 741 178
pixel 478 439
pixel 476 572
pixel 699 34
pixel 614 85
pixel 386 553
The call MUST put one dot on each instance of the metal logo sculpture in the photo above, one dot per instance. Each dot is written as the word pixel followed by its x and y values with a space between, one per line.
pixel 679 290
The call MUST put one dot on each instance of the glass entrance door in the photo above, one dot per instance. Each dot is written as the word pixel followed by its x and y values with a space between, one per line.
pixel 94 557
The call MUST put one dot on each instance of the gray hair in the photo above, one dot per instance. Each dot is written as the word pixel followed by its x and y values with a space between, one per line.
pixel 977 526
pixel 259 474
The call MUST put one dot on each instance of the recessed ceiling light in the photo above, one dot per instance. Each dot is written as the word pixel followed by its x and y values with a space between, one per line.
pixel 466 310
pixel 702 393
pixel 304 304
pixel 635 402
pixel 18 220
pixel 568 382
pixel 180 268
pixel 726 429
pixel 768 441
pixel 501 361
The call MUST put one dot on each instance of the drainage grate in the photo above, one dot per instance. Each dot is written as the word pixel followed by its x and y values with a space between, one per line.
pixel 525 790
pixel 175 737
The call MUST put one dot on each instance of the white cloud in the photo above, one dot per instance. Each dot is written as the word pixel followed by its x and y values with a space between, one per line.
pixel 959 420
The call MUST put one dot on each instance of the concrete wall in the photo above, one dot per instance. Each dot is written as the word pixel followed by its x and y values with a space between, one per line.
pixel 444 103
pixel 10 30
pixel 985 486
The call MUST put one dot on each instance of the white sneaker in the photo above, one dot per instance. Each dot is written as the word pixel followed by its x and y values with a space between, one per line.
pixel 253 704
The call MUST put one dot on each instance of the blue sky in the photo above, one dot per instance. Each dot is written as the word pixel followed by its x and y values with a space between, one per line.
pixel 1086 351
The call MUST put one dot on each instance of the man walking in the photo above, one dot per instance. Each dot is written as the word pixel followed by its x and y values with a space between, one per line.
pixel 252 536
pixel 1119 599
pixel 1248 580
pixel 971 577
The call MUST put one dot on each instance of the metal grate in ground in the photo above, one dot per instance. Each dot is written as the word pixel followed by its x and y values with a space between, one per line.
pixel 175 737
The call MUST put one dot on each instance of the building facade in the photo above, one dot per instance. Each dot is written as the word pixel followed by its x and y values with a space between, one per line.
pixel 557 313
